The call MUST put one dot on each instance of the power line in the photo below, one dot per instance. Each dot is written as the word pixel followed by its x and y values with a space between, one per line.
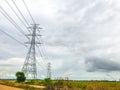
pixel 40 61
pixel 15 13
pixel 28 11
pixel 39 51
pixel 5 14
pixel 12 37
pixel 19 11
pixel 43 49
pixel 41 64
pixel 42 54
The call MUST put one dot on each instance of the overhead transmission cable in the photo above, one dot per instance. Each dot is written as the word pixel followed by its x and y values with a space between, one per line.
pixel 39 51
pixel 41 67
pixel 43 50
pixel 5 14
pixel 41 54
pixel 15 13
pixel 23 17
pixel 12 37
pixel 42 64
pixel 28 11
pixel 20 11
pixel 24 23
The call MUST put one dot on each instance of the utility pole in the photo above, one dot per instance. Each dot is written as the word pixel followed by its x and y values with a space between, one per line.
pixel 49 70
pixel 29 67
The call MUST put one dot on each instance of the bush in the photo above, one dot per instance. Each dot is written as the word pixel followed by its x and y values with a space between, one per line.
pixel 47 81
pixel 20 77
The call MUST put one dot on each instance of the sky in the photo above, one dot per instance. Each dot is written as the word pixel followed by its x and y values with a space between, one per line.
pixel 81 38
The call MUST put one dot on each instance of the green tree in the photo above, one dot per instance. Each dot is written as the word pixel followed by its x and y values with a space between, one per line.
pixel 20 77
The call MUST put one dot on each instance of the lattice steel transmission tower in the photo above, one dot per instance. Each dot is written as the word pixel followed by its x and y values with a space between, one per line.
pixel 29 67
pixel 49 70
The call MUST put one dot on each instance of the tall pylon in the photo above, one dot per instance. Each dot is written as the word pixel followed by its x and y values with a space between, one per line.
pixel 49 70
pixel 29 67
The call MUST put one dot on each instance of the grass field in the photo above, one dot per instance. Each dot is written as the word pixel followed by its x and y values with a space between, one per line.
pixel 93 85
pixel 64 85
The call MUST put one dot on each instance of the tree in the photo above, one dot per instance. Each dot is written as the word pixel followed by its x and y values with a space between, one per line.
pixel 20 77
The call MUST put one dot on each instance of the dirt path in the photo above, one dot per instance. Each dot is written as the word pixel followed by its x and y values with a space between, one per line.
pixel 3 87
pixel 36 86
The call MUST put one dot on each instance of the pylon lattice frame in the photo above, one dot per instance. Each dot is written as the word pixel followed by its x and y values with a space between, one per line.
pixel 29 67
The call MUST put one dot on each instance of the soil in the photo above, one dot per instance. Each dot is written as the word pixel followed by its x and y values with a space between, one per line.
pixel 4 87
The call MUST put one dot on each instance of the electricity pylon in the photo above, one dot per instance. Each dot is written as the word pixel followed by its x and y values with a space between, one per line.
pixel 49 70
pixel 29 67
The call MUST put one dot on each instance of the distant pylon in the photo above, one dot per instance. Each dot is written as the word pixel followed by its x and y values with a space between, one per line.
pixel 29 67
pixel 49 70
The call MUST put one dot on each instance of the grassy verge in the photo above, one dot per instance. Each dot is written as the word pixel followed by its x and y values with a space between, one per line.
pixel 13 83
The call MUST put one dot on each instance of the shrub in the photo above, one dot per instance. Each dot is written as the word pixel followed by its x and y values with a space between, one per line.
pixel 20 77
pixel 47 81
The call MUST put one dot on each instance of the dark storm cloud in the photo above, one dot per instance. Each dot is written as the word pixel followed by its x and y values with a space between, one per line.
pixel 94 64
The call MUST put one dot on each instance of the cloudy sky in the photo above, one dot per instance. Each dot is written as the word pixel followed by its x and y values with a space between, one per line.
pixel 81 38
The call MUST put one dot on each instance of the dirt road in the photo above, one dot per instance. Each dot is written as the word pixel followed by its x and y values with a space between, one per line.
pixel 3 87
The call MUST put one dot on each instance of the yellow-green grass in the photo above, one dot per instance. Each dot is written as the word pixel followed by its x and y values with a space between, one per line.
pixel 67 84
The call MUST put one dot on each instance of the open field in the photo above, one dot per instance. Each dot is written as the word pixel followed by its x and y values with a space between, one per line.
pixel 63 85
pixel 93 85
